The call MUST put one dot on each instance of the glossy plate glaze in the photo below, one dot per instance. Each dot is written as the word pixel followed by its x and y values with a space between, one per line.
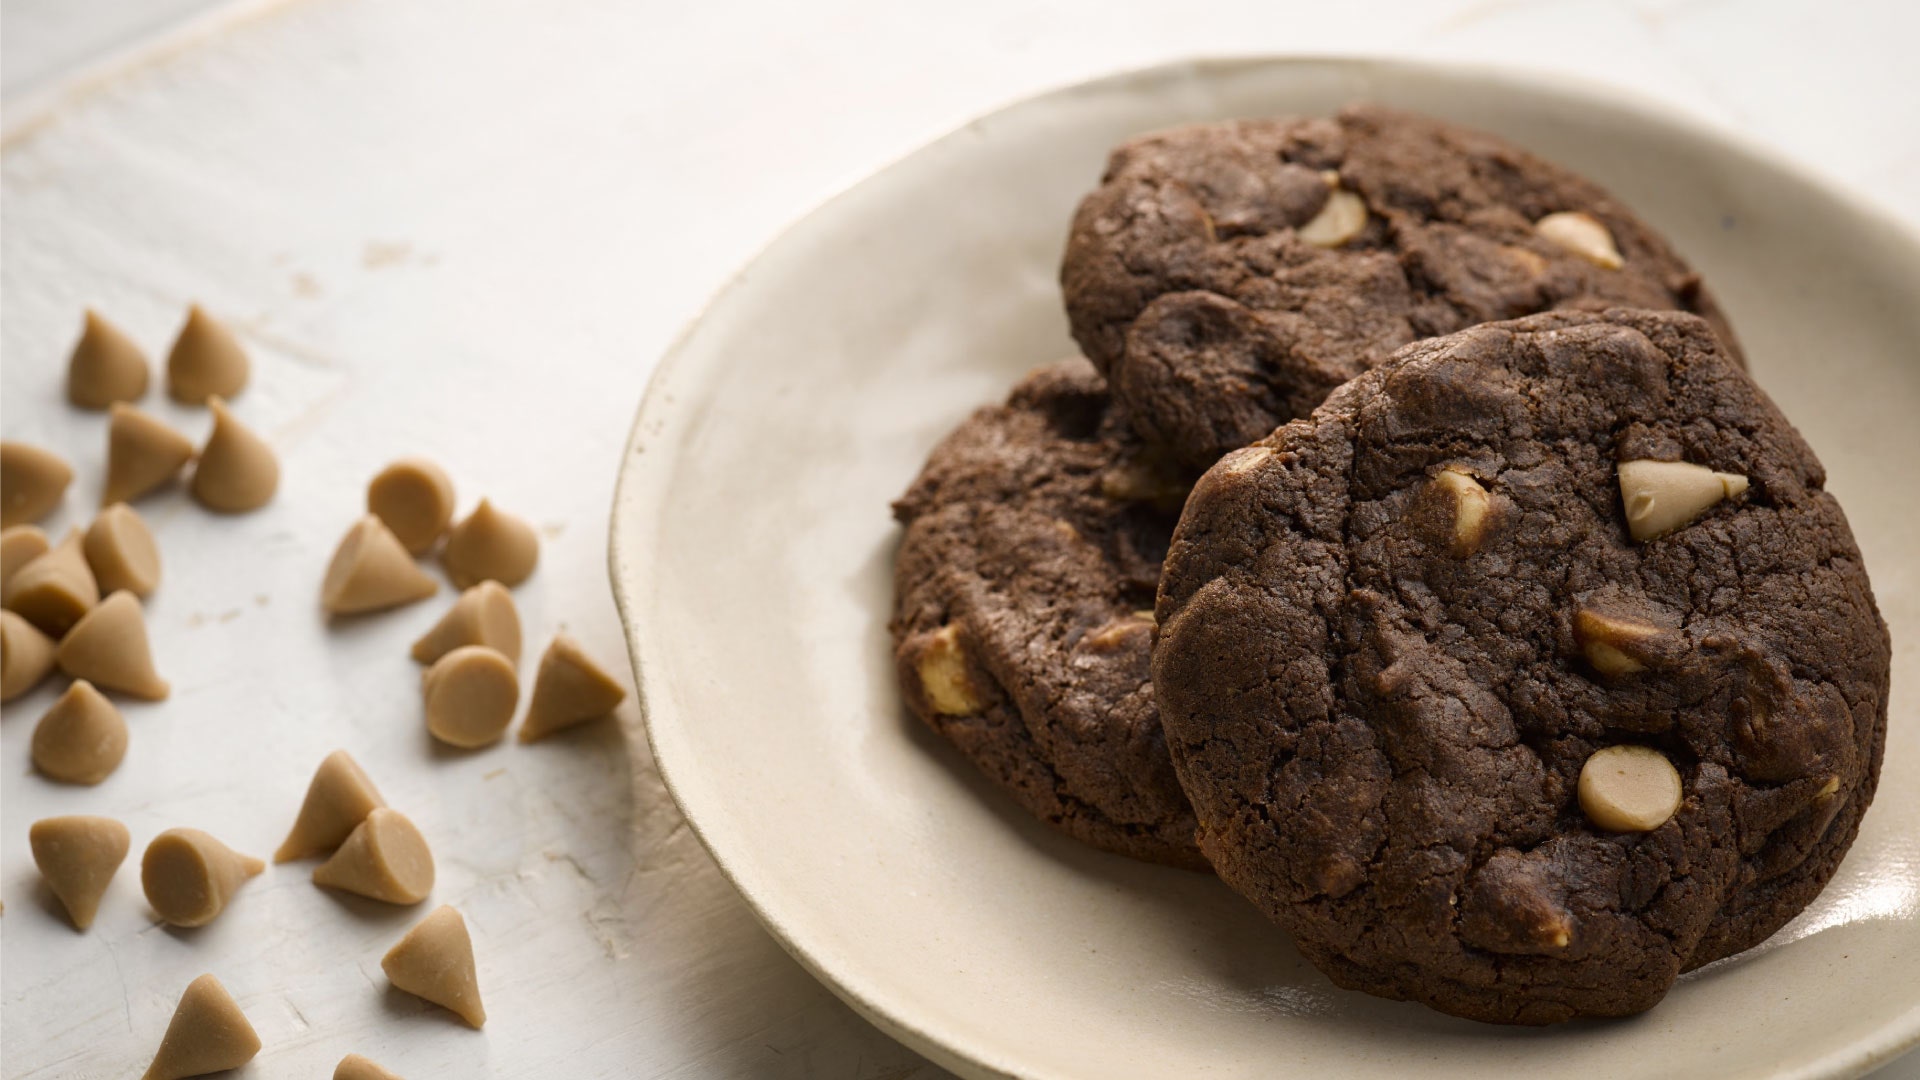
pixel 752 551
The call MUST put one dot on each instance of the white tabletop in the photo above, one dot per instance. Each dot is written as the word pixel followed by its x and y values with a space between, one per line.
pixel 466 228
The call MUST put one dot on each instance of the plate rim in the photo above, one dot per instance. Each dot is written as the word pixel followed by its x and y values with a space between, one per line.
pixel 647 462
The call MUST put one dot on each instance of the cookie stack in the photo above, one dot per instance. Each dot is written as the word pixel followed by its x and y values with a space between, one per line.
pixel 1411 549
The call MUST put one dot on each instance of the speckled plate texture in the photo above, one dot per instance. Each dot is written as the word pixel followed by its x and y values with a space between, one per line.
pixel 752 555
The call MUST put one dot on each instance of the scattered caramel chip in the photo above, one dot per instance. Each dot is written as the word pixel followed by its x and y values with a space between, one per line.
pixel 1341 218
pixel 106 366
pixel 143 453
pixel 55 591
pixel 942 665
pixel 1609 641
pixel 355 1067
pixel 32 481
pixel 189 876
pixel 109 648
pixel 1662 496
pixel 1629 788
pixel 569 689
pixel 484 615
pixel 19 546
pixel 371 571
pixel 78 855
pixel 26 655
pixel 415 498
pixel 121 552
pixel 82 739
pixel 206 361
pixel 490 544
pixel 385 858
pixel 470 694
pixel 1583 235
pixel 339 798
pixel 237 470
pixel 434 961
pixel 208 1034
pixel 1472 508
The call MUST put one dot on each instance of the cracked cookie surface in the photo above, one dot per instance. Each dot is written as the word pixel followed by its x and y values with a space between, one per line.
pixel 1023 619
pixel 1395 634
pixel 1226 277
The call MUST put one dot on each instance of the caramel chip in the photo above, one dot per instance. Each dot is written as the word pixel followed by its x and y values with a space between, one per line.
pixel 206 360
pixel 208 1034
pixel 370 571
pixel 385 858
pixel 942 666
pixel 19 546
pixel 189 876
pixel 435 961
pixel 484 615
pixel 55 591
pixel 1583 235
pixel 1613 644
pixel 415 498
pixel 82 739
pixel 569 689
pixel 339 798
pixel 106 366
pixel 109 648
pixel 237 470
pixel 143 453
pixel 1629 788
pixel 1662 496
pixel 121 552
pixel 355 1067
pixel 1341 218
pixel 26 655
pixel 490 544
pixel 78 855
pixel 471 694
pixel 31 483
pixel 1472 507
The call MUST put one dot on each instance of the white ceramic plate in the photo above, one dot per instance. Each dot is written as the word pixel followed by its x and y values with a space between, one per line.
pixel 752 552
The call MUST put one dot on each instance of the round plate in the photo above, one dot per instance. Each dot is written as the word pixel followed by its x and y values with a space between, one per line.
pixel 752 558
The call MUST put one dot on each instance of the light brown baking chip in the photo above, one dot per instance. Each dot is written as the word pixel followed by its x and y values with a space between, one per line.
pixel 435 961
pixel 371 571
pixel 484 615
pixel 106 366
pixel 121 553
pixel 189 876
pixel 208 1034
pixel 385 858
pixel 490 544
pixel 415 498
pixel 237 470
pixel 32 481
pixel 206 360
pixel 55 591
pixel 26 655
pixel 109 648
pixel 355 1067
pixel 78 855
pixel 339 797
pixel 143 454
pixel 569 689
pixel 470 694
pixel 19 546
pixel 82 738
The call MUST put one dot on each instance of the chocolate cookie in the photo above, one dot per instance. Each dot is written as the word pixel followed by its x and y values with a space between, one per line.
pixel 1535 668
pixel 1226 277
pixel 1023 618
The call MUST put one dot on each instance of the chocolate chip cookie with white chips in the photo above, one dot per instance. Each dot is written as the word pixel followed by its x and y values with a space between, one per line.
pixel 1535 668
pixel 1227 276
pixel 1023 619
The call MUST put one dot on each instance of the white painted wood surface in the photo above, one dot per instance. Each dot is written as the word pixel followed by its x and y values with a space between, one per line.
pixel 465 229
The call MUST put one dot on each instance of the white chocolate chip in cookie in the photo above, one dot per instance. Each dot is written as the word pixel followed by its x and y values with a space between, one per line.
pixel 434 961
pixel 82 739
pixel 1583 235
pixel 1629 788
pixel 943 674
pixel 385 858
pixel 339 798
pixel 1341 218
pixel 1608 641
pixel 78 855
pixel 1472 508
pixel 1662 496
pixel 208 1034
pixel 189 876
